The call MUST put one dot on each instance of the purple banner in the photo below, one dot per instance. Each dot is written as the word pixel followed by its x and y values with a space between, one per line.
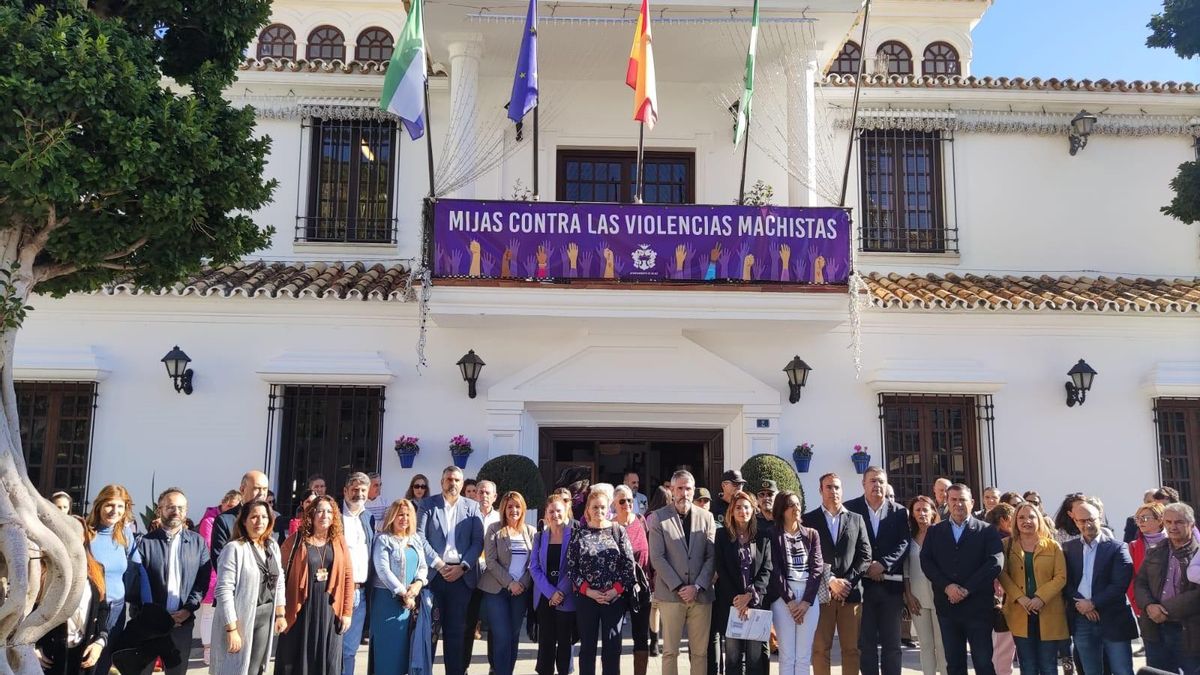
pixel 646 242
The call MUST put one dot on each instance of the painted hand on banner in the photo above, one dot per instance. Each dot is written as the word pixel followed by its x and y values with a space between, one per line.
pixel 715 254
pixel 585 262
pixel 785 257
pixel 487 264
pixel 609 272
pixel 514 245
pixel 819 270
pixel 543 260
pixel 506 264
pixel 682 253
pixel 474 270
pixel 455 262
pixel 747 267
pixel 573 255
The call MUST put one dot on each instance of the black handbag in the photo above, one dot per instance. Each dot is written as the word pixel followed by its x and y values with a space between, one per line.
pixel 639 595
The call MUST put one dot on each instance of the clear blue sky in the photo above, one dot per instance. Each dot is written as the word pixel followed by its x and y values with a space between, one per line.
pixel 1078 39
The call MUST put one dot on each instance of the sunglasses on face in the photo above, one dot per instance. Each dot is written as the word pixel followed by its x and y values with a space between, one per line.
pixel 624 501
pixel 420 486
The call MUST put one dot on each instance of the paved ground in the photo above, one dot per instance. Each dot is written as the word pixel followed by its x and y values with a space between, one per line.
pixel 525 661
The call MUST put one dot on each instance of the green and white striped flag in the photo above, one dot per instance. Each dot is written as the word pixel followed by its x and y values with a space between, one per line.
pixel 404 85
pixel 743 118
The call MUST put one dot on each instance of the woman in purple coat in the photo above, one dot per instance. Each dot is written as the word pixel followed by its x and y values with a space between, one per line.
pixel 553 598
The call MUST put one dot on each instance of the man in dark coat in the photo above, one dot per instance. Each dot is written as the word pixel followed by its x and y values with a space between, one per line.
pixel 1170 601
pixel 1099 570
pixel 177 564
pixel 846 548
pixel 883 585
pixel 962 557
pixel 254 485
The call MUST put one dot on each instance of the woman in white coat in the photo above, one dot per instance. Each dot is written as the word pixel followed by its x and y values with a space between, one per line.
pixel 250 597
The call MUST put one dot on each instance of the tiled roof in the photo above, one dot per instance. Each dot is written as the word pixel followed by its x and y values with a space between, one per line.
pixel 314 66
pixel 259 279
pixel 1015 83
pixel 1013 293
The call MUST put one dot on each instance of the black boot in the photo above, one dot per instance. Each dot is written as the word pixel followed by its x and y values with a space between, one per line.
pixel 654 651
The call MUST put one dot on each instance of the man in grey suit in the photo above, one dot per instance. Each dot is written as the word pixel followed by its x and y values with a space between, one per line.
pixel 453 533
pixel 682 553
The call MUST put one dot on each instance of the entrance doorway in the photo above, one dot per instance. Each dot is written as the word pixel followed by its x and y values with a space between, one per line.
pixel 607 453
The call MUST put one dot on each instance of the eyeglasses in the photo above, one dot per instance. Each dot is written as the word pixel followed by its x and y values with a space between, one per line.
pixel 624 501
pixel 420 486
pixel 1146 518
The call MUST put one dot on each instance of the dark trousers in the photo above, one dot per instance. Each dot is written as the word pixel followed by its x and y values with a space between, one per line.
pixel 601 622
pixel 639 628
pixel 1038 657
pixel 181 637
pixel 264 623
pixel 474 606
pixel 746 657
pixel 451 601
pixel 879 632
pixel 959 631
pixel 554 640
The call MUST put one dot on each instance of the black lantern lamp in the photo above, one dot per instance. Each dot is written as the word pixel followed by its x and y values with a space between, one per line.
pixel 797 371
pixel 1081 127
pixel 470 365
pixel 176 362
pixel 1081 382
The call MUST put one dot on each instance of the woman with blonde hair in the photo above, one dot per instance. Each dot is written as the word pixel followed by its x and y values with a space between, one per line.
pixel 507 546
pixel 400 574
pixel 111 543
pixel 600 566
pixel 1033 576
pixel 250 594
pixel 320 593
pixel 552 597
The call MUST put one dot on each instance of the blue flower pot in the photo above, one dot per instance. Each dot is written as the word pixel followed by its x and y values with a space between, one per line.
pixel 406 458
pixel 861 461
pixel 802 463
pixel 460 460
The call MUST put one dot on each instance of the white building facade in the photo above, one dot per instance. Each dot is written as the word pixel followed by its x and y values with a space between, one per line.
pixel 991 260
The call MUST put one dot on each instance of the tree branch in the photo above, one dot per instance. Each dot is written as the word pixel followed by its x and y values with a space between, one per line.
pixel 128 249
pixel 117 267
pixel 47 272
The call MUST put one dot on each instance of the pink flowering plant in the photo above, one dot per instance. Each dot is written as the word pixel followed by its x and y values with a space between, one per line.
pixel 859 450
pixel 407 444
pixel 804 449
pixel 460 445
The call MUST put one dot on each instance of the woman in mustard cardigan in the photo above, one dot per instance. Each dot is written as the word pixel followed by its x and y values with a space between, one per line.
pixel 1034 575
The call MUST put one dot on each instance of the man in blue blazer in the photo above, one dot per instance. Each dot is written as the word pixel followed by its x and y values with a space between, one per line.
pixel 962 557
pixel 883 583
pixel 177 565
pixel 1099 570
pixel 453 531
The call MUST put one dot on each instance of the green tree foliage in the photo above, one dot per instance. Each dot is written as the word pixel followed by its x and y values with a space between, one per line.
pixel 772 467
pixel 1177 27
pixel 515 473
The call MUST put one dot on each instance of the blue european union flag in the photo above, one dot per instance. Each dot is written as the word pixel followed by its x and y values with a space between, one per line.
pixel 525 84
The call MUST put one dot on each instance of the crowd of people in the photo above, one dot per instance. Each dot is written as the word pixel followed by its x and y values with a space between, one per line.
pixel 743 576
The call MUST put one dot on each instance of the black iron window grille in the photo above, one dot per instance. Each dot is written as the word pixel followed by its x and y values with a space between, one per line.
pixel 1177 421
pixel 56 436
pixel 351 183
pixel 330 430
pixel 907 191
pixel 610 175
pixel 930 436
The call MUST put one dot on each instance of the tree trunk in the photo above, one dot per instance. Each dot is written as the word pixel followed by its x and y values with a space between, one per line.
pixel 41 548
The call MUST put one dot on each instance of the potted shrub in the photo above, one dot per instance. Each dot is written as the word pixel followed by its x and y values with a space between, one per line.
pixel 802 456
pixel 771 467
pixel 515 473
pixel 460 450
pixel 861 458
pixel 407 449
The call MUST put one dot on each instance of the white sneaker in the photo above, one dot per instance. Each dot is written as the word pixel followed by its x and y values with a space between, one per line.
pixel 206 653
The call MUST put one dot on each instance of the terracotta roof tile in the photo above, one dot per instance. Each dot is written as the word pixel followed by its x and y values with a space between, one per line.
pixel 1013 293
pixel 259 279
pixel 1015 83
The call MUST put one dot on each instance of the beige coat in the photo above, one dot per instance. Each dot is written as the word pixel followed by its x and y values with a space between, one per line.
pixel 676 564
pixel 497 554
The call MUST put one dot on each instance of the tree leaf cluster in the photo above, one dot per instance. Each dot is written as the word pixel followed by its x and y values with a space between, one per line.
pixel 1177 28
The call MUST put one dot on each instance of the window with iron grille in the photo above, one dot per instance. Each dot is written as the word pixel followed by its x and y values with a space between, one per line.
pixel 56 435
pixel 610 176
pixel 847 60
pixel 896 57
pixel 931 436
pixel 1178 421
pixel 330 430
pixel 904 204
pixel 351 183
pixel 326 43
pixel 940 59
pixel 374 44
pixel 277 41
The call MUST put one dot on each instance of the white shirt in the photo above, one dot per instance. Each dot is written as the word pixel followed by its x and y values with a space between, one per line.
pixel 76 623
pixel 378 509
pixel 831 519
pixel 451 556
pixel 356 543
pixel 173 581
pixel 640 502
pixel 493 516
pixel 876 515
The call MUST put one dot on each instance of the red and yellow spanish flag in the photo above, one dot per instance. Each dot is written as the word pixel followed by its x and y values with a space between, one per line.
pixel 640 74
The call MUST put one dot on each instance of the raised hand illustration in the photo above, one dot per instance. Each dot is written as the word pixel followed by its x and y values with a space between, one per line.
pixel 818 269
pixel 585 264
pixel 543 260
pixel 487 264
pixel 747 266
pixel 785 257
pixel 682 252
pixel 530 266
pixel 514 245
pixel 833 270
pixel 609 270
pixel 573 255
pixel 455 262
pixel 440 263
pixel 800 268
pixel 474 270
pixel 726 254
pixel 506 260
pixel 760 269
pixel 710 273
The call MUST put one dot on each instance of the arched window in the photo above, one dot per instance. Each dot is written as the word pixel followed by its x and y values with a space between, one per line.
pixel 940 59
pixel 326 43
pixel 277 41
pixel 374 44
pixel 894 59
pixel 847 60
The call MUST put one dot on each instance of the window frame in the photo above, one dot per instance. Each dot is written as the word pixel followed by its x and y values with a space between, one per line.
pixel 353 229
pixel 628 161
pixel 900 236
pixel 906 60
pixel 338 45
pixel 852 61
pixel 387 46
pixel 45 481
pixel 274 40
pixel 952 57
pixel 977 430
pixel 1189 410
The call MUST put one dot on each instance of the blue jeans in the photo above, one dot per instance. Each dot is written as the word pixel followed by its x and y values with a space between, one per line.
pixel 1093 649
pixel 505 614
pixel 1038 657
pixel 1168 652
pixel 353 635
pixel 450 600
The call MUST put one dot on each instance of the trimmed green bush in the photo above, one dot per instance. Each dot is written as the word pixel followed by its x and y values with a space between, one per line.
pixel 772 467
pixel 515 473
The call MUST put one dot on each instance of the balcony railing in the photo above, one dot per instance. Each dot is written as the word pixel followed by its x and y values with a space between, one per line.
pixel 346 231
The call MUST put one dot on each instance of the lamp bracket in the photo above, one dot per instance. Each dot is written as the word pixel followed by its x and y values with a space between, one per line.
pixel 183 383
